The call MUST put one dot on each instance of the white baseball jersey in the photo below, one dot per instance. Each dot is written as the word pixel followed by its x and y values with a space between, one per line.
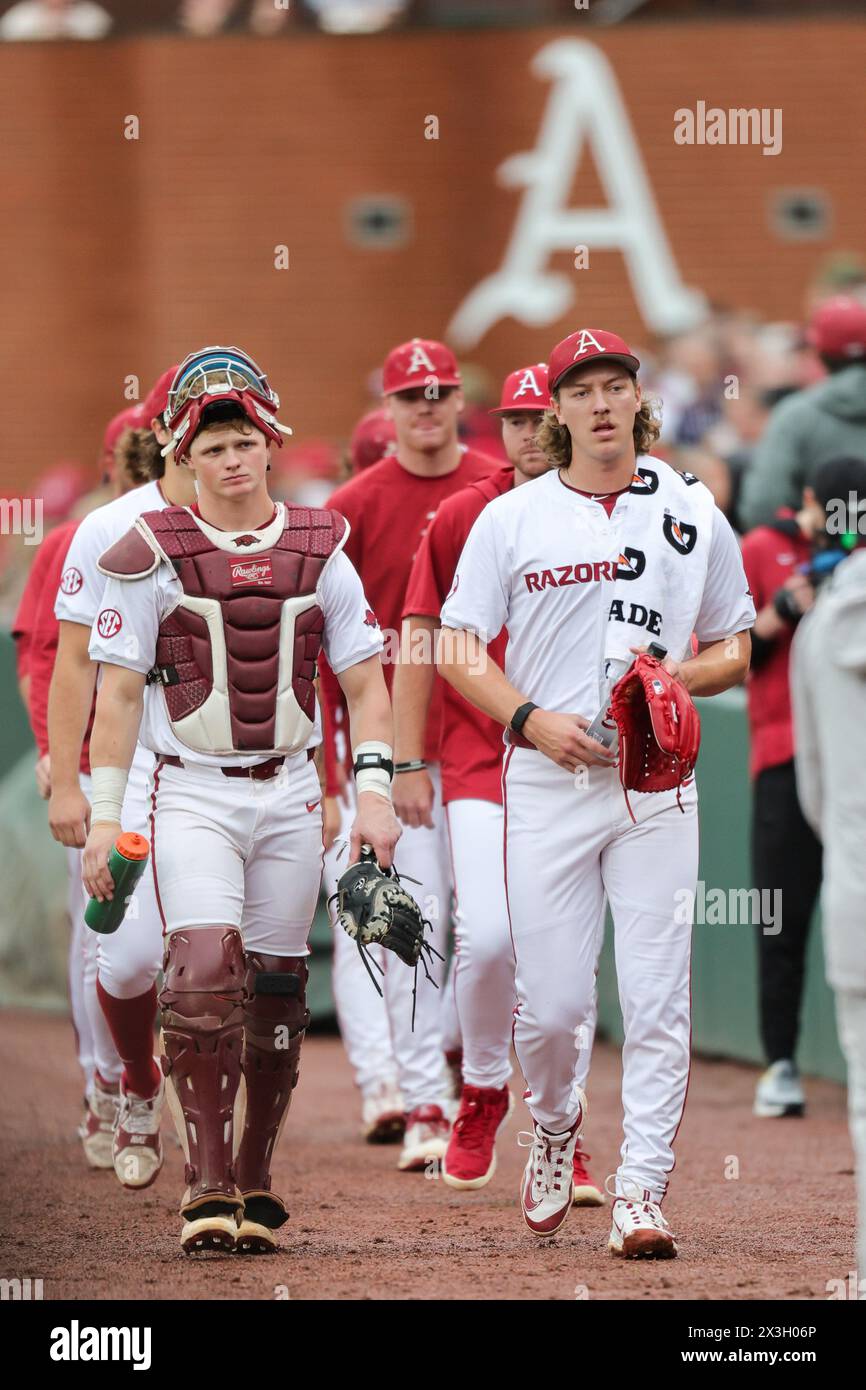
pixel 127 625
pixel 541 561
pixel 81 584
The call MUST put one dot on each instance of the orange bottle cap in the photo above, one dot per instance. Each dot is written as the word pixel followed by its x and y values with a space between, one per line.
pixel 132 846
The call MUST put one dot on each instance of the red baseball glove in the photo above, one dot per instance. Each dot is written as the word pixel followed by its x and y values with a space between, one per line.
pixel 659 728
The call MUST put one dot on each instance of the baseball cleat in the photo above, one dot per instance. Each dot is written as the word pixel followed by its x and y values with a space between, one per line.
pixel 426 1139
pixel 96 1130
pixel 639 1231
pixel 779 1092
pixel 137 1147
pixel 382 1115
pixel 584 1192
pixel 546 1185
pixel 263 1214
pixel 470 1159
pixel 213 1227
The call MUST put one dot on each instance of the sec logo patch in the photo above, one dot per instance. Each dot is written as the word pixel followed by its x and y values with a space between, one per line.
pixel 109 622
pixel 71 581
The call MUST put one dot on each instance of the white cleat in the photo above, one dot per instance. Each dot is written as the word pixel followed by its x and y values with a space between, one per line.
pixel 546 1185
pixel 426 1139
pixel 639 1231
pixel 96 1130
pixel 137 1149
pixel 383 1118
pixel 779 1092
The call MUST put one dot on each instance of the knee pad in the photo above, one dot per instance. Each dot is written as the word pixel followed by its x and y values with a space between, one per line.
pixel 202 1001
pixel 275 1019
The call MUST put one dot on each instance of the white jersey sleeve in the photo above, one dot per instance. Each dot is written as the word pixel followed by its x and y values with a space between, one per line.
pixel 81 584
pixel 126 627
pixel 351 632
pixel 726 605
pixel 479 597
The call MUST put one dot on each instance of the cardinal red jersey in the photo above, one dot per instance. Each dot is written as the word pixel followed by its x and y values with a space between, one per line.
pixel 471 747
pixel 389 510
pixel 771 554
pixel 44 639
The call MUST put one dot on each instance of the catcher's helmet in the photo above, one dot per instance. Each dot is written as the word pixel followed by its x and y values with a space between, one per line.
pixel 216 375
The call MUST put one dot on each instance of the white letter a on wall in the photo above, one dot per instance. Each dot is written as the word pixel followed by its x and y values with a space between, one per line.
pixel 584 105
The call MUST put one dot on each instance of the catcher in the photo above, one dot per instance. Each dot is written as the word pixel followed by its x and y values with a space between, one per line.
pixel 585 567
pixel 212 619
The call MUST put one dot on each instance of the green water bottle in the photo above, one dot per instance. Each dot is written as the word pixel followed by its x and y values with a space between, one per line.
pixel 126 864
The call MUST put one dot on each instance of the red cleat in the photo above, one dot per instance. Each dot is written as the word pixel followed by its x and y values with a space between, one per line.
pixel 584 1192
pixel 470 1160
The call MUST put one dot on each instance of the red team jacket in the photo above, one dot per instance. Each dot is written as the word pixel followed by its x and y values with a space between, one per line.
pixel 389 511
pixel 771 554
pixel 471 745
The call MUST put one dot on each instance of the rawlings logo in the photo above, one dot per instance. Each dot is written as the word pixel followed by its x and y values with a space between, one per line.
pixel 680 534
pixel 71 581
pixel 109 622
pixel 258 573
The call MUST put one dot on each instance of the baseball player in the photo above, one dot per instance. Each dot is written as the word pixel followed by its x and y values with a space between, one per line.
pixel 585 566
pixel 389 507
pixel 361 1014
pixel 37 622
pixel 471 766
pixel 119 985
pixel 227 603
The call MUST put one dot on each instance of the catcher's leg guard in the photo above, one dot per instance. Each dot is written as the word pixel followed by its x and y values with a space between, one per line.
pixel 202 1001
pixel 275 1018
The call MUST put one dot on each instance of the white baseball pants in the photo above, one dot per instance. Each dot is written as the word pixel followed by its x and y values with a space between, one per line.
pixel 851 1018
pixel 570 845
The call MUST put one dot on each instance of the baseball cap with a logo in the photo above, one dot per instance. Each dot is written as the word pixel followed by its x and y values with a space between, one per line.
pixel 838 328
pixel 412 365
pixel 588 345
pixel 525 389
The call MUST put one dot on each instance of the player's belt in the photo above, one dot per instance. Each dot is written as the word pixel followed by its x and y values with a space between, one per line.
pixel 259 772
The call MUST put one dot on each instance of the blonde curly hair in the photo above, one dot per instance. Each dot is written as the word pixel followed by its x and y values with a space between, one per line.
pixel 555 440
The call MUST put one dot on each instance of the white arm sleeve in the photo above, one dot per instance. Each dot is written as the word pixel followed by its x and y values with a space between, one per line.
pixel 726 605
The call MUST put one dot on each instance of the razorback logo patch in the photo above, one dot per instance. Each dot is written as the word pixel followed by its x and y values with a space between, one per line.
pixel 645 481
pixel 71 581
pixel 256 574
pixel 370 619
pixel 109 622
pixel 680 534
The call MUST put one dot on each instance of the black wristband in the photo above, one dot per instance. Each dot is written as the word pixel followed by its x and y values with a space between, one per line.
pixel 786 606
pixel 520 716
pixel 416 765
pixel 373 760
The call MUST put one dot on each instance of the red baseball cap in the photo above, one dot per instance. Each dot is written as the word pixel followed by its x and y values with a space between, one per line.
pixel 588 345
pixel 838 328
pixel 132 418
pixel 525 389
pixel 412 365
pixel 370 440
pixel 156 400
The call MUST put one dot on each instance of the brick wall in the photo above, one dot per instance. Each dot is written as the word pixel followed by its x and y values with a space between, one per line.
pixel 119 256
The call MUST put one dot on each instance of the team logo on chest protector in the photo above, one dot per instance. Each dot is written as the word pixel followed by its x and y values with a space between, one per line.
pixel 680 534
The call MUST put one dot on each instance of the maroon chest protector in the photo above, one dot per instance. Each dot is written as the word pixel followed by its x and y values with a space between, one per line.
pixel 240 649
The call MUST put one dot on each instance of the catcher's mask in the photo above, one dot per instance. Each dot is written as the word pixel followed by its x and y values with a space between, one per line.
pixel 219 374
